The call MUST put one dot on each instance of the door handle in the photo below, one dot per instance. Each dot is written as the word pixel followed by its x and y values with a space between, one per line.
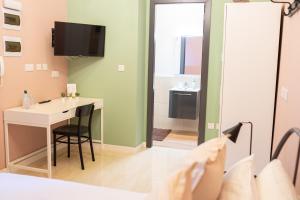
pixel 65 111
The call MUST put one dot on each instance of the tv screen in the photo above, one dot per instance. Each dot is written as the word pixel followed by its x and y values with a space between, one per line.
pixel 71 39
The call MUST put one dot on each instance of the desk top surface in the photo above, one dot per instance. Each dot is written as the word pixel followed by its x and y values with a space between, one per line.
pixel 57 105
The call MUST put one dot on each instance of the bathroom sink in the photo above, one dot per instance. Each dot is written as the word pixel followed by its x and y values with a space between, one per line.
pixel 185 89
pixel 184 103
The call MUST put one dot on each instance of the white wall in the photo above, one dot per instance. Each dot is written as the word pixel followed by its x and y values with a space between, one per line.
pixel 172 22
pixel 162 86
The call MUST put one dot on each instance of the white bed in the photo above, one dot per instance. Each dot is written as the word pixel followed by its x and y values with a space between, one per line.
pixel 16 187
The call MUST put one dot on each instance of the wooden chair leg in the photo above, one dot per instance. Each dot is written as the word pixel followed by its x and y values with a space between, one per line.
pixel 80 153
pixel 54 149
pixel 69 148
pixel 92 148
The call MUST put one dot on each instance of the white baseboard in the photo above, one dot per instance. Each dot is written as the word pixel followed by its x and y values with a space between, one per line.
pixel 42 153
pixel 123 149
pixel 97 141
pixel 39 154
pixel 36 155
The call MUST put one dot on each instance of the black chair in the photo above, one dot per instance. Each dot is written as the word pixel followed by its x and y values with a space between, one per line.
pixel 81 133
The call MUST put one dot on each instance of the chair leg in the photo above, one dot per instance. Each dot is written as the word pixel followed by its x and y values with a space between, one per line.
pixel 69 148
pixel 91 145
pixel 80 153
pixel 54 148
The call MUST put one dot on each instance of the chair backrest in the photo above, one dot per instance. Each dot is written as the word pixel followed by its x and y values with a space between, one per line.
pixel 85 111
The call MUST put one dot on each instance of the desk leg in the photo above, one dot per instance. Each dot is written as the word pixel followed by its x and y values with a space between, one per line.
pixel 49 152
pixel 102 132
pixel 6 144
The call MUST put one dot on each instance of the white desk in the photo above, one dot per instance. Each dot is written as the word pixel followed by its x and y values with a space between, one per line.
pixel 45 115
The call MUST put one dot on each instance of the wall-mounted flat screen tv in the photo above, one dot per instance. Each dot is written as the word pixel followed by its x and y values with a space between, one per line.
pixel 72 39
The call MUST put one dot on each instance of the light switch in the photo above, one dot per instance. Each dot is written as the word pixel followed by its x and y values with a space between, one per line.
pixel 38 67
pixel 284 93
pixel 29 67
pixel 121 68
pixel 45 67
pixel 55 74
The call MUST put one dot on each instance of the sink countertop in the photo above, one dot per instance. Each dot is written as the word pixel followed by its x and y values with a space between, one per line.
pixel 185 89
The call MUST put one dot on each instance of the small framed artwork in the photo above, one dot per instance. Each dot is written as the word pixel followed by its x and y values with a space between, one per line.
pixel 12 46
pixel 11 19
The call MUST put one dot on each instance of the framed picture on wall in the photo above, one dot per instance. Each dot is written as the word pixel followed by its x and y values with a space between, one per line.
pixel 12 46
pixel 11 19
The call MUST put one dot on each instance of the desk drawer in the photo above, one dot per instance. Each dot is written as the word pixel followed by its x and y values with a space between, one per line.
pixel 68 114
pixel 25 118
pixel 65 115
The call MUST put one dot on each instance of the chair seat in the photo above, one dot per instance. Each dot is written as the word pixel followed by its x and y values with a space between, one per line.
pixel 70 130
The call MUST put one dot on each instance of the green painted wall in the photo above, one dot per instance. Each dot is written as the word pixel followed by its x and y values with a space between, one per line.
pixel 141 70
pixel 125 44
pixel 125 93
pixel 215 64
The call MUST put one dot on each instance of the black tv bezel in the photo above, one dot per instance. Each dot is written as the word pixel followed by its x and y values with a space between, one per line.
pixel 91 55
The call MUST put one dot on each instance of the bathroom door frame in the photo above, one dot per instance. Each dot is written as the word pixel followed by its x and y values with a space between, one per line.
pixel 204 71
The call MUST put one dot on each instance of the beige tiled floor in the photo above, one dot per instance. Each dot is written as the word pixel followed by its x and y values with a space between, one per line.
pixel 134 171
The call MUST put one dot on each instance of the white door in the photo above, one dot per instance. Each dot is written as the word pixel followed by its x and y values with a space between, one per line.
pixel 251 43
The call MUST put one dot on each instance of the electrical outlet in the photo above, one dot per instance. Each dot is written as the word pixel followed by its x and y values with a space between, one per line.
pixel 29 67
pixel 121 68
pixel 55 74
pixel 45 67
pixel 217 126
pixel 211 126
pixel 38 67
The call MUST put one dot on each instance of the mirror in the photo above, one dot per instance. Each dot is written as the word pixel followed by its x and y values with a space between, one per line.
pixel 178 39
pixel 191 55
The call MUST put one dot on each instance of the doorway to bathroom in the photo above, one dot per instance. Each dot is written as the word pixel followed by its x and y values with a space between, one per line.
pixel 178 70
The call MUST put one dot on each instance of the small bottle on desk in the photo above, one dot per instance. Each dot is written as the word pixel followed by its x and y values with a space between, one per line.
pixel 26 100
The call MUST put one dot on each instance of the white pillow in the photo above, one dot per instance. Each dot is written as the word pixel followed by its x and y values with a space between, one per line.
pixel 239 183
pixel 273 183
